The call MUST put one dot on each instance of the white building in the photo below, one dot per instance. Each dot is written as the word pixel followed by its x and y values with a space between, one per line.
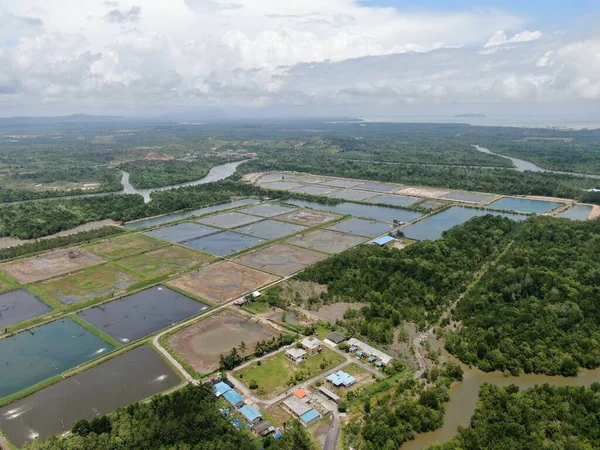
pixel 296 355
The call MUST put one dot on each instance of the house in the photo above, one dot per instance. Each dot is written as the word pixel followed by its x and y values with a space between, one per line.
pixel 368 351
pixel 329 394
pixel 335 338
pixel 309 416
pixel 383 241
pixel 341 378
pixel 296 406
pixel 295 355
pixel 250 413
pixel 301 393
pixel 311 345
pixel 233 398
pixel 263 428
pixel 221 388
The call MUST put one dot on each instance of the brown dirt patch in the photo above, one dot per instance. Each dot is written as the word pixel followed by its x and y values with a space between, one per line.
pixel 595 212
pixel 223 282
pixel 157 156
pixel 308 217
pixel 419 192
pixel 203 343
pixel 282 259
pixel 326 241
pixel 49 265
pixel 335 311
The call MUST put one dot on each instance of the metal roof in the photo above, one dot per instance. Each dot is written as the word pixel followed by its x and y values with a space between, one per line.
pixel 311 343
pixel 383 240
pixel 250 413
pixel 370 350
pixel 297 406
pixel 309 416
pixel 336 337
pixel 340 378
pixel 333 396
pixel 221 388
pixel 233 397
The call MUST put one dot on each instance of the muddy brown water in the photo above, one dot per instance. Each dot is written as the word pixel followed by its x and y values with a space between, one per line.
pixel 464 397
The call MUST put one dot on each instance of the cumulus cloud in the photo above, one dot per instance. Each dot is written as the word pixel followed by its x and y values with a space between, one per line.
pixel 131 15
pixel 255 53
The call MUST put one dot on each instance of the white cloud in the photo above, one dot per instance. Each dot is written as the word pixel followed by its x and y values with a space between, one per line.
pixel 262 53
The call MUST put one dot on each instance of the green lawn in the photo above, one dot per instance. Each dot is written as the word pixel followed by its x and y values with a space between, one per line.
pixel 163 261
pixel 274 374
pixel 124 246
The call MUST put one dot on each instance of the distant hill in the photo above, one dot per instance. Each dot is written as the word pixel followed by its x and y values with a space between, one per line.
pixel 472 115
pixel 73 118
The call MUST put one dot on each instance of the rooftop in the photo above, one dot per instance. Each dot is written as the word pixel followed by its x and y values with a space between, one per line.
pixel 370 350
pixel 250 413
pixel 311 343
pixel 300 393
pixel 295 353
pixel 233 397
pixel 341 378
pixel 309 416
pixel 336 338
pixel 383 240
pixel 330 394
pixel 221 388
pixel 297 406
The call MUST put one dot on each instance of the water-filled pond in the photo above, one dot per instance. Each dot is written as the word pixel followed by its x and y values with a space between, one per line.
pixel 577 212
pixel 17 306
pixel 432 227
pixel 32 356
pixel 225 243
pixel 524 205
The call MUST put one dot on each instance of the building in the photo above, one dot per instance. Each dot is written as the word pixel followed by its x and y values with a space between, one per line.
pixel 221 388
pixel 334 339
pixel 296 406
pixel 233 398
pixel 301 393
pixel 295 355
pixel 383 241
pixel 263 428
pixel 341 378
pixel 250 413
pixel 311 345
pixel 329 394
pixel 368 351
pixel 310 416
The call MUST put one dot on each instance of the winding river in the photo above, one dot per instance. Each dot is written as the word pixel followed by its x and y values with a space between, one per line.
pixel 464 396
pixel 217 173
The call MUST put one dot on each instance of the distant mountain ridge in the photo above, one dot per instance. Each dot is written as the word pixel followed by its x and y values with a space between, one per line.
pixel 472 115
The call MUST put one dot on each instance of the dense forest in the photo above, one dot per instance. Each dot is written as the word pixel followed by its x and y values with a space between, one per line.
pixel 416 284
pixel 150 174
pixel 544 417
pixel 537 309
pixel 408 409
pixel 185 420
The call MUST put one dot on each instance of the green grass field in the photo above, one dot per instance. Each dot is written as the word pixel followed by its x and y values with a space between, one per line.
pixel 275 373
pixel 92 283
pixel 164 261
pixel 124 246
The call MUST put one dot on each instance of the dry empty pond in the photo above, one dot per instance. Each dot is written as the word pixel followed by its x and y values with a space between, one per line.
pixel 282 259
pixel 50 264
pixel 223 282
pixel 326 241
pixel 204 342
pixel 308 217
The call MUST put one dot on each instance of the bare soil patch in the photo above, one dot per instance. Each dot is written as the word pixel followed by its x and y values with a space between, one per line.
pixel 282 259
pixel 335 311
pixel 202 343
pixel 164 260
pixel 419 192
pixel 308 217
pixel 124 246
pixel 49 265
pixel 223 282
pixel 326 241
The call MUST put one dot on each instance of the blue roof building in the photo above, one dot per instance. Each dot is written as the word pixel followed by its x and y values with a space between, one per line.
pixel 384 240
pixel 221 388
pixel 250 413
pixel 233 397
pixel 309 416
pixel 341 378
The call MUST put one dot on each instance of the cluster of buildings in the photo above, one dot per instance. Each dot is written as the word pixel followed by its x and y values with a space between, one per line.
pixel 371 354
pixel 248 412
pixel 300 406
pixel 310 347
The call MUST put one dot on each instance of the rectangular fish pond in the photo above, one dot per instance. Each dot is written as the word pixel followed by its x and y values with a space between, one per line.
pixel 17 306
pixel 125 379
pixel 432 227
pixel 368 211
pixel 32 356
pixel 224 243
pixel 577 212
pixel 524 205
pixel 143 313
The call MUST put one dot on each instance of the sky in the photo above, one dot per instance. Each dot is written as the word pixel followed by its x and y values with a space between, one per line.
pixel 299 57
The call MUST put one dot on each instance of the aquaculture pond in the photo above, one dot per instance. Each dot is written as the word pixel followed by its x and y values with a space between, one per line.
pixel 225 243
pixel 32 356
pixel 182 232
pixel 362 227
pixel 431 228
pixel 577 212
pixel 369 211
pixel 270 229
pixel 125 379
pixel 524 205
pixel 138 315
pixel 184 215
pixel 17 306
pixel 467 197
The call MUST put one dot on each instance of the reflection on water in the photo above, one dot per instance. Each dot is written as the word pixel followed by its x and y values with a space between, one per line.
pixel 464 396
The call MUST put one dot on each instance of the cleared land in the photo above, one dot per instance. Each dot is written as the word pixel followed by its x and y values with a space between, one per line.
pixel 223 282
pixel 89 284
pixel 419 192
pixel 326 241
pixel 124 246
pixel 312 190
pixel 308 217
pixel 335 311
pixel 203 343
pixel 282 259
pixel 50 265
pixel 165 260
pixel 275 374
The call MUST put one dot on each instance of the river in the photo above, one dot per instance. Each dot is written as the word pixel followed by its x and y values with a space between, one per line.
pixel 464 396
pixel 522 165
pixel 217 173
